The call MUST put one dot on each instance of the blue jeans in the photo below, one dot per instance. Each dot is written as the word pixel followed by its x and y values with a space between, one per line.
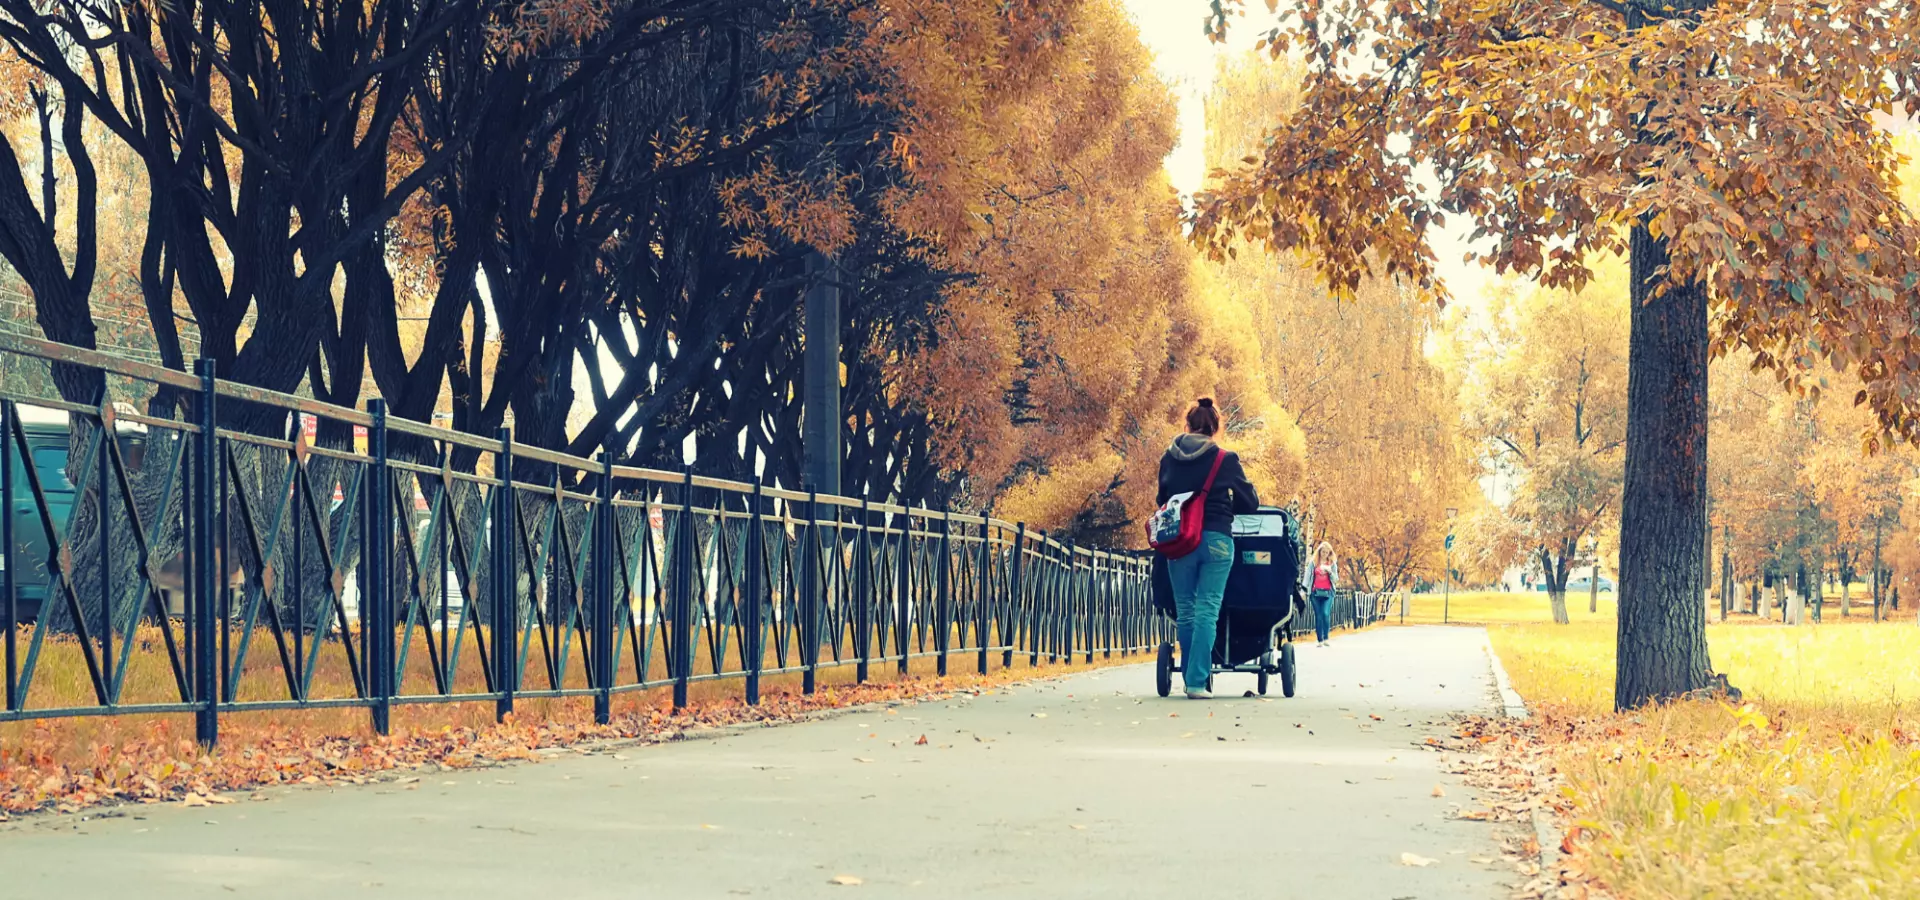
pixel 1199 581
pixel 1322 611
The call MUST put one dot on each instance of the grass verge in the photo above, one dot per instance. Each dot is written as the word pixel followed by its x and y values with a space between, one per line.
pixel 1811 788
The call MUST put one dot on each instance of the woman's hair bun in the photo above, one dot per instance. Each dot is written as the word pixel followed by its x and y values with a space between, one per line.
pixel 1206 402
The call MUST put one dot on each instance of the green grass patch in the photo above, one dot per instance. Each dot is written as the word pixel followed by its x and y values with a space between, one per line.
pixel 1810 789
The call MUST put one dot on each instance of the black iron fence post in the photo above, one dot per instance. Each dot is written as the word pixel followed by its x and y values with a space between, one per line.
pixel 506 590
pixel 755 626
pixel 379 638
pixel 6 552
pixel 810 600
pixel 1090 604
pixel 102 477
pixel 903 599
pixel 682 610
pixel 1068 625
pixel 1041 601
pixel 983 591
pixel 862 594
pixel 943 602
pixel 1016 590
pixel 603 574
pixel 206 565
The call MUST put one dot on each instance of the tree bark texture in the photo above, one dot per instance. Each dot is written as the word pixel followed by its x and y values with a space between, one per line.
pixel 1662 622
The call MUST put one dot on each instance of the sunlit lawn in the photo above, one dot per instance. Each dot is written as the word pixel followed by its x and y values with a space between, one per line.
pixel 1490 607
pixel 1812 791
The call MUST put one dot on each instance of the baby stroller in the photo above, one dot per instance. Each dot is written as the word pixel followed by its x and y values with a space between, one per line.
pixel 1258 611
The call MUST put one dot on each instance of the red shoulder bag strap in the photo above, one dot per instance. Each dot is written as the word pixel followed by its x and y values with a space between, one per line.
pixel 1219 456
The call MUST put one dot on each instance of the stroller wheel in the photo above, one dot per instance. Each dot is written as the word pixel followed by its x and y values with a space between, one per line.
pixel 1286 669
pixel 1263 684
pixel 1163 670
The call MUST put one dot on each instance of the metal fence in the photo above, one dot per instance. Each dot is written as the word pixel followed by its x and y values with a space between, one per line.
pixel 235 549
pixel 1351 609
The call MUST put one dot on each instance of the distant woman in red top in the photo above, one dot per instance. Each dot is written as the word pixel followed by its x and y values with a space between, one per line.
pixel 1326 577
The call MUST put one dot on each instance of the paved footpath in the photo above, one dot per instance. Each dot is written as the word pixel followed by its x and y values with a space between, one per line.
pixel 1085 786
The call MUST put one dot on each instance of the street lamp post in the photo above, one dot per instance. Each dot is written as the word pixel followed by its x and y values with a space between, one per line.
pixel 1446 601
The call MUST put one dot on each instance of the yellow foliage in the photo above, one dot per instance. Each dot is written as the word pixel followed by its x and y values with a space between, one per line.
pixel 1806 790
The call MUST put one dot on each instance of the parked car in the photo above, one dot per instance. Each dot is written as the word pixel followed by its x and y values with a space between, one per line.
pixel 47 432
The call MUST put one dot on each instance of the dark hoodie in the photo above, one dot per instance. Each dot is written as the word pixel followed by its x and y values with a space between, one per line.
pixel 1184 468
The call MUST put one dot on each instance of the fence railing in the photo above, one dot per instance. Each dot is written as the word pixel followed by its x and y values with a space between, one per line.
pixel 236 549
pixel 1351 609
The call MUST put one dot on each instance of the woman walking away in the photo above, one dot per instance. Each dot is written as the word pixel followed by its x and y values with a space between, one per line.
pixel 1326 577
pixel 1200 577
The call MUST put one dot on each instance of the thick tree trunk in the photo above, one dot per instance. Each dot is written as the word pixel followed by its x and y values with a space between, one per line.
pixel 1662 623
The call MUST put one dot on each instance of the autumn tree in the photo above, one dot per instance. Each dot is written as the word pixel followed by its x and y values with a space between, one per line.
pixel 1374 413
pixel 1725 148
pixel 1545 395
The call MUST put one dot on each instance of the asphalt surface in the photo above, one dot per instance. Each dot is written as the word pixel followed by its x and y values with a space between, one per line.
pixel 1084 786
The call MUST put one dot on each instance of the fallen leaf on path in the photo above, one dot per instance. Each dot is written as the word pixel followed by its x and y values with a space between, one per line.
pixel 1415 859
pixel 1439 791
pixel 922 742
pixel 1482 860
pixel 1078 827
pixel 1187 735
pixel 1375 718
pixel 846 880
pixel 1039 715
pixel 862 759
pixel 195 800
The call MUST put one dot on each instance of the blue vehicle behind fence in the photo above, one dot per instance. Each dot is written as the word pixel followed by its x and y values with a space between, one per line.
pixel 1581 585
pixel 47 437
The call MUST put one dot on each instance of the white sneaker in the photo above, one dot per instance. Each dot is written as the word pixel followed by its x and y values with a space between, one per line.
pixel 1199 694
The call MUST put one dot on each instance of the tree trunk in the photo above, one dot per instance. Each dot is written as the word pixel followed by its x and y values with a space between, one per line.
pixel 1662 590
pixel 1556 574
pixel 1593 586
pixel 1876 571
